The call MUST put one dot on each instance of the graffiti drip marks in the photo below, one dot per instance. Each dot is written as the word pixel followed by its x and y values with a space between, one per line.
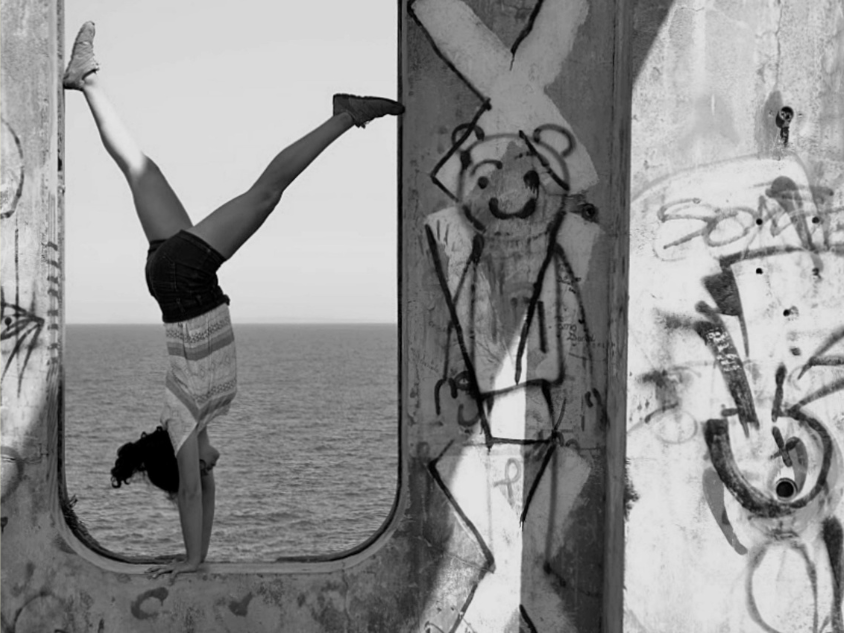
pixel 833 538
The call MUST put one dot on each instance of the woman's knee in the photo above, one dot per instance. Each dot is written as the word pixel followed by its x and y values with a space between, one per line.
pixel 264 199
pixel 141 168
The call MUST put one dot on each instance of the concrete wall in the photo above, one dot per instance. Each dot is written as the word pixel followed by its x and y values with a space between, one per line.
pixel 513 184
pixel 507 291
pixel 735 412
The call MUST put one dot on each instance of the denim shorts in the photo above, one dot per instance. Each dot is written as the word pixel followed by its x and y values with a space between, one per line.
pixel 181 275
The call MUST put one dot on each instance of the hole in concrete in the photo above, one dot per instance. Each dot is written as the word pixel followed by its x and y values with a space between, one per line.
pixel 785 488
pixel 784 116
pixel 759 221
pixel 758 271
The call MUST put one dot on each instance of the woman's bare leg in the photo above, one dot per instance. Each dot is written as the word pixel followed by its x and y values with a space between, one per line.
pixel 228 227
pixel 160 211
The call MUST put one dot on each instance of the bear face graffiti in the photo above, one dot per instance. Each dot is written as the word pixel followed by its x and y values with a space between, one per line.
pixel 511 255
pixel 514 184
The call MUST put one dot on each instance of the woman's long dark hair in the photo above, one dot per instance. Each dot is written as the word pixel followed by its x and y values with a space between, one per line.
pixel 153 457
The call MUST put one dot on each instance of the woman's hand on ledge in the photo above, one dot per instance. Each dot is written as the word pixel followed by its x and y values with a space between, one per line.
pixel 174 569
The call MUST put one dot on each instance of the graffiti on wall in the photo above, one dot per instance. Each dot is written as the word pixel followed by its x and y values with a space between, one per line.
pixel 20 330
pixel 21 325
pixel 510 258
pixel 12 178
pixel 510 253
pixel 509 82
pixel 29 312
pixel 743 296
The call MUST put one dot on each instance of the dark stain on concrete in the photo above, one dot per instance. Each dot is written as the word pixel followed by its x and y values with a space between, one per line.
pixel 765 132
pixel 324 612
pixel 19 587
pixel 61 544
pixel 630 494
pixel 159 594
pixel 713 492
pixel 13 462
pixel 192 615
pixel 241 608
pixel 576 568
pixel 43 612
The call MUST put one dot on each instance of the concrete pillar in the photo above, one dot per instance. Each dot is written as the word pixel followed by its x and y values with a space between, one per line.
pixel 30 308
pixel 514 180
pixel 513 187
pixel 734 395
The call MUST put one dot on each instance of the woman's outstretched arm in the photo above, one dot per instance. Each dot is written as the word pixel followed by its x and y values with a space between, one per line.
pixel 189 499
pixel 208 492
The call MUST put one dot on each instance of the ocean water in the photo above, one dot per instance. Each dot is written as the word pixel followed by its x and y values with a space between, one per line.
pixel 309 451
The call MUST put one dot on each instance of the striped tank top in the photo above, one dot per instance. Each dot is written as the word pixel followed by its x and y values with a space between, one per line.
pixel 202 379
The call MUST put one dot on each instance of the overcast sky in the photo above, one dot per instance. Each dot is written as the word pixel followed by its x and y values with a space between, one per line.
pixel 212 91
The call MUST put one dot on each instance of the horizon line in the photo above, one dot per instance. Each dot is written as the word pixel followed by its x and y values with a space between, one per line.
pixel 245 323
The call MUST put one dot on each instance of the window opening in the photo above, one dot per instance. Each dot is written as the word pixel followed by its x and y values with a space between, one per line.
pixel 309 450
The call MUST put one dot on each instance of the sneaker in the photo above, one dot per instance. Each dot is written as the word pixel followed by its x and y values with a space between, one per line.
pixel 82 62
pixel 364 109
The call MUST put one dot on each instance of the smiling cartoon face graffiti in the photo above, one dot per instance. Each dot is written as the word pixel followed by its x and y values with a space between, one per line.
pixel 512 185
pixel 504 253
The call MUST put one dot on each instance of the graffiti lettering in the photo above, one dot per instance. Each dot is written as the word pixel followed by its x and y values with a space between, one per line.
pixel 765 344
pixel 721 226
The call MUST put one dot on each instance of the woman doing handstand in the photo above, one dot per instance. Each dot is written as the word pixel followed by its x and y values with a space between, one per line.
pixel 181 267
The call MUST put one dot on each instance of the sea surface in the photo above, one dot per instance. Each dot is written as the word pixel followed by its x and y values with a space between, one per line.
pixel 309 451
